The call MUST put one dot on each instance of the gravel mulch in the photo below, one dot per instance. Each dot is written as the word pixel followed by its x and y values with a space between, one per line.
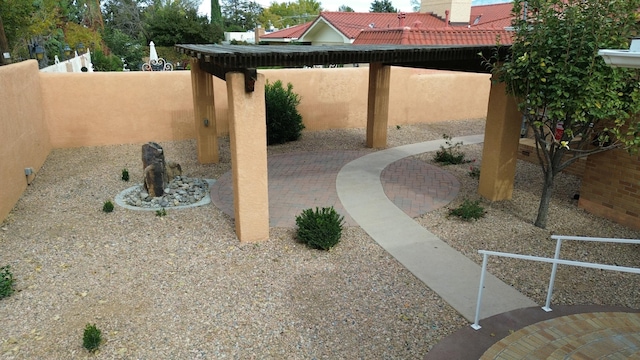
pixel 182 286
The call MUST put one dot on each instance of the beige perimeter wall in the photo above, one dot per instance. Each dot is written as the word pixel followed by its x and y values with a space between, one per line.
pixel 41 111
pixel 24 136
pixel 88 109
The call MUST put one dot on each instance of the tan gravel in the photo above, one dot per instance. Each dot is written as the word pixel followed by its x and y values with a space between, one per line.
pixel 183 287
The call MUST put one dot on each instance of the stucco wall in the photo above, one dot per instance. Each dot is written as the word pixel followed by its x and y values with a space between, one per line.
pixel 90 109
pixel 41 111
pixel 100 108
pixel 337 98
pixel 24 137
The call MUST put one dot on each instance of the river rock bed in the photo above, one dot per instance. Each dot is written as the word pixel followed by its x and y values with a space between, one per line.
pixel 181 191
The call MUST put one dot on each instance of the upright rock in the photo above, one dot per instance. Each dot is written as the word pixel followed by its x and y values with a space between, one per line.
pixel 155 172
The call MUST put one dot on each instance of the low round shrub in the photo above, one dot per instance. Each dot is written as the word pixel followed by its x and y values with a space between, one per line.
pixel 320 228
pixel 6 281
pixel 468 210
pixel 91 338
pixel 284 122
pixel 107 207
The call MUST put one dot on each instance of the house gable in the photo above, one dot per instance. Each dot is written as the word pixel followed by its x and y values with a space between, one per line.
pixel 322 32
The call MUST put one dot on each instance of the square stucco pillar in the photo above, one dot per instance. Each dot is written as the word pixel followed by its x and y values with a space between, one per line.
pixel 248 135
pixel 204 114
pixel 501 140
pixel 378 105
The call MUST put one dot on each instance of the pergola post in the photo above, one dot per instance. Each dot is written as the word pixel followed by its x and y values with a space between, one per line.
pixel 248 137
pixel 501 140
pixel 378 105
pixel 204 114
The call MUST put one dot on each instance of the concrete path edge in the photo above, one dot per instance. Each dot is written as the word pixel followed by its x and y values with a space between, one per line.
pixel 450 274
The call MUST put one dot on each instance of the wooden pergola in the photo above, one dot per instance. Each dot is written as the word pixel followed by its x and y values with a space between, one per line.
pixel 238 65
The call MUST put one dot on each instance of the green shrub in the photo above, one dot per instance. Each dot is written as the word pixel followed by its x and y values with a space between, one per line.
pixel 474 172
pixel 125 175
pixel 284 123
pixel 103 62
pixel 108 206
pixel 451 154
pixel 6 282
pixel 320 229
pixel 91 338
pixel 161 212
pixel 468 210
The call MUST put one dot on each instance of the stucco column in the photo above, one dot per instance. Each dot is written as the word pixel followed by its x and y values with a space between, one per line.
pixel 378 105
pixel 248 135
pixel 500 150
pixel 204 114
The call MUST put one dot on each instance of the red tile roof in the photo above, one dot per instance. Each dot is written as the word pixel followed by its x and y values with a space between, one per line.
pixel 381 28
pixel 491 16
pixel 351 23
pixel 440 36
pixel 292 33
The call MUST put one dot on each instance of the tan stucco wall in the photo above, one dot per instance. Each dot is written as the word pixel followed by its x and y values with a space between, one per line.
pixel 24 137
pixel 91 109
pixel 337 98
pixel 100 108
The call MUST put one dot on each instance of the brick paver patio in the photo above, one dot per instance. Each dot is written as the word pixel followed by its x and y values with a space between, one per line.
pixel 307 180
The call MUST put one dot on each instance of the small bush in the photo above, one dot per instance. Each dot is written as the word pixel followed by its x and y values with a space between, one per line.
pixel 451 154
pixel 320 229
pixel 6 282
pixel 474 172
pixel 125 175
pixel 161 212
pixel 91 338
pixel 284 123
pixel 468 210
pixel 108 206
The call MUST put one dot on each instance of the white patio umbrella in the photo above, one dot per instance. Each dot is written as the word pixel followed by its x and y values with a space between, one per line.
pixel 153 55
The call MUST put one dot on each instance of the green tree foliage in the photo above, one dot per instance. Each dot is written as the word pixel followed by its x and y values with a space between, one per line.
pixel 240 15
pixel 382 6
pixel 216 13
pixel 16 19
pixel 345 8
pixel 172 24
pixel 415 5
pixel 102 62
pixel 573 102
pixel 124 46
pixel 125 16
pixel 284 14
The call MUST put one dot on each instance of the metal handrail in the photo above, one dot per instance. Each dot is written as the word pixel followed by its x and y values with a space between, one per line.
pixel 555 261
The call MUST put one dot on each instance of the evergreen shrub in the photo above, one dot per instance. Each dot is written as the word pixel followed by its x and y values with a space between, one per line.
pixel 320 228
pixel 284 122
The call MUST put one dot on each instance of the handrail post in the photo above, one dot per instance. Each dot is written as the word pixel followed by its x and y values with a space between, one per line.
pixel 552 279
pixel 475 324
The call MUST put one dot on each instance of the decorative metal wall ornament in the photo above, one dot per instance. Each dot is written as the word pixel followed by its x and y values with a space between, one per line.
pixel 157 65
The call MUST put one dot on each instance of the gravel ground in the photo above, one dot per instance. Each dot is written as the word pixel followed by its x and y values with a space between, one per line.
pixel 183 287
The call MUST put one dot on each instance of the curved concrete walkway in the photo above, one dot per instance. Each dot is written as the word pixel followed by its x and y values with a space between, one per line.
pixel 450 274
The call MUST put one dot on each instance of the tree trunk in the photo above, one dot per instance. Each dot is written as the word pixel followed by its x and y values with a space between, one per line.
pixel 545 200
pixel 4 44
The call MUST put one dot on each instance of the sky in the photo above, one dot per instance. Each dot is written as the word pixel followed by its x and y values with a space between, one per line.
pixel 357 5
